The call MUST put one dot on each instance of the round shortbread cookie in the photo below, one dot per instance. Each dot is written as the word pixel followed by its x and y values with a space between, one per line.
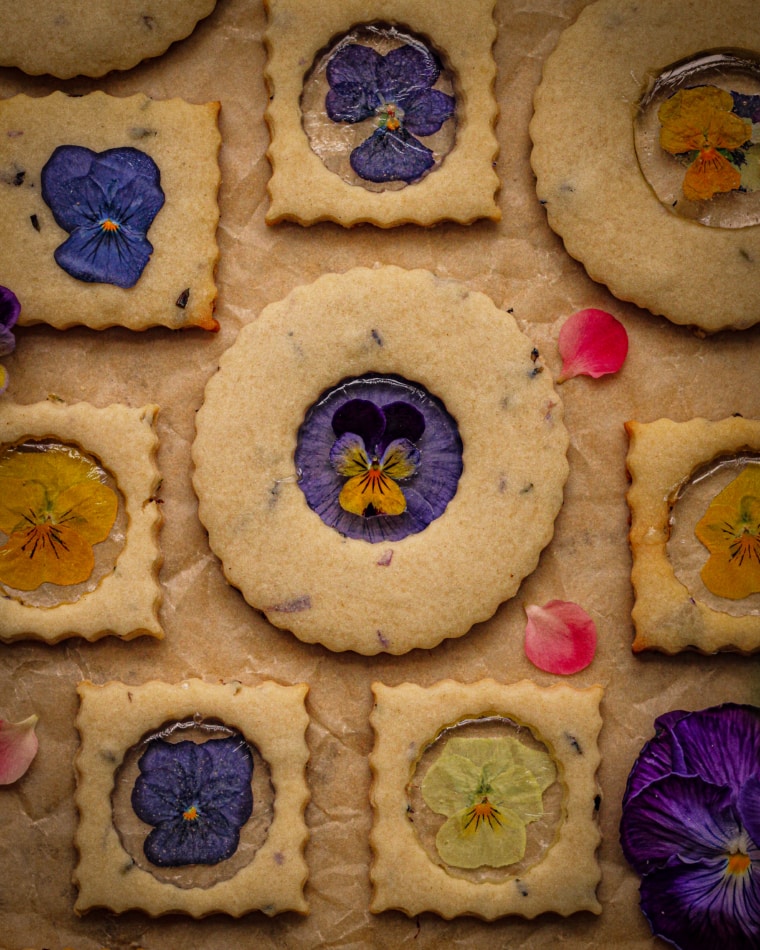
pixel 68 38
pixel 588 174
pixel 391 596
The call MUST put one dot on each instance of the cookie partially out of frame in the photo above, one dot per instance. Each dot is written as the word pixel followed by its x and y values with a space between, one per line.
pixel 125 601
pixel 346 592
pixel 304 190
pixel 662 457
pixel 406 720
pixel 176 288
pixel 588 175
pixel 67 39
pixel 116 717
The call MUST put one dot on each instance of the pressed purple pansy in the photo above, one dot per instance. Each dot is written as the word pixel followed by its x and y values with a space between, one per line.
pixel 9 311
pixel 747 106
pixel 106 201
pixel 197 796
pixel 691 828
pixel 397 90
pixel 378 458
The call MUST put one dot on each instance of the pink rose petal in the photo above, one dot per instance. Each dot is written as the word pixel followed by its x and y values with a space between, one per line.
pixel 591 343
pixel 18 746
pixel 560 637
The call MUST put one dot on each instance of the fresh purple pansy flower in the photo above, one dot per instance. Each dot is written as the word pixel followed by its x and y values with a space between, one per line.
pixel 378 458
pixel 106 201
pixel 397 89
pixel 197 796
pixel 691 828
pixel 9 311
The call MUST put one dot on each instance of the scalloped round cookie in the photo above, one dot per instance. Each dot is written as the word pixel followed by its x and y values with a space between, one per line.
pixel 66 38
pixel 588 175
pixel 349 593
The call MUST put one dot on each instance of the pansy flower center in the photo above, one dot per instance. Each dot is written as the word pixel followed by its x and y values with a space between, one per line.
pixel 108 224
pixel 738 863
pixel 389 116
pixel 482 812
pixel 191 813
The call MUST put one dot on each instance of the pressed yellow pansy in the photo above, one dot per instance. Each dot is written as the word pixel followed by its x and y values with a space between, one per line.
pixel 53 508
pixel 701 120
pixel 490 789
pixel 371 484
pixel 730 530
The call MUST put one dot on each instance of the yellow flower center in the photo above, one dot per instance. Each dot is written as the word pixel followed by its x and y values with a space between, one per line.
pixel 109 225
pixel 482 812
pixel 191 813
pixel 738 863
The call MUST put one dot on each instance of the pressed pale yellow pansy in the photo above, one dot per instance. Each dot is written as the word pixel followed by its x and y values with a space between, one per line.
pixel 701 120
pixel 53 508
pixel 730 530
pixel 489 789
pixel 371 482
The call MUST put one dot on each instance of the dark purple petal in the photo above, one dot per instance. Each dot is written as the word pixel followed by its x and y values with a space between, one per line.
pixel 354 63
pixel 350 102
pixel 677 817
pixel 747 106
pixel 721 744
pixel 749 807
pixel 660 756
pixel 107 201
pixel 427 492
pixel 391 156
pixel 361 417
pixel 699 907
pixel 404 72
pixel 10 308
pixel 426 112
pixel 213 779
pixel 402 421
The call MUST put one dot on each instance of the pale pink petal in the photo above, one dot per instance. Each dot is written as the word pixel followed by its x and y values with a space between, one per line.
pixel 560 637
pixel 18 746
pixel 591 343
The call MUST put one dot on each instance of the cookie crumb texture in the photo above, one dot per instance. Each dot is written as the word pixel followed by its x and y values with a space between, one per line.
pixel 55 37
pixel 350 594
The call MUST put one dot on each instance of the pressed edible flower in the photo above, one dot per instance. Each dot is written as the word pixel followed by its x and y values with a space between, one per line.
pixel 560 637
pixel 197 796
pixel 730 530
pixel 489 789
pixel 591 343
pixel 395 89
pixel 107 202
pixel 53 508
pixel 691 827
pixel 9 311
pixel 18 746
pixel 378 458
pixel 702 120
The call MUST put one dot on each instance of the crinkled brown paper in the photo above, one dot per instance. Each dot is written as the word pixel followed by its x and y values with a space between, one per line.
pixel 212 633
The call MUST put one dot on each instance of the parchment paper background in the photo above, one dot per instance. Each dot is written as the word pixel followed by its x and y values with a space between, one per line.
pixel 212 633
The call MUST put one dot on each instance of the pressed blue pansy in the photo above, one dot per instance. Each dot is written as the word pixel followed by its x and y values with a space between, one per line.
pixel 691 827
pixel 107 202
pixel 197 796
pixel 9 311
pixel 378 458
pixel 397 89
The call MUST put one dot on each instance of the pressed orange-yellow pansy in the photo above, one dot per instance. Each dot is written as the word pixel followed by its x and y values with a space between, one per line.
pixel 730 530
pixel 490 789
pixel 701 120
pixel 53 508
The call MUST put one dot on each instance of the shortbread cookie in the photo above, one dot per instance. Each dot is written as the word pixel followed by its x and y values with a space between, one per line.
pixel 597 195
pixel 674 609
pixel 66 38
pixel 108 210
pixel 79 522
pixel 215 738
pixel 387 513
pixel 487 763
pixel 381 114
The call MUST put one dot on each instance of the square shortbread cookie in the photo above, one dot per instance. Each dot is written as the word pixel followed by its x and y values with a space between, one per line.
pixel 673 612
pixel 122 594
pixel 456 35
pixel 563 874
pixel 115 719
pixel 98 201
